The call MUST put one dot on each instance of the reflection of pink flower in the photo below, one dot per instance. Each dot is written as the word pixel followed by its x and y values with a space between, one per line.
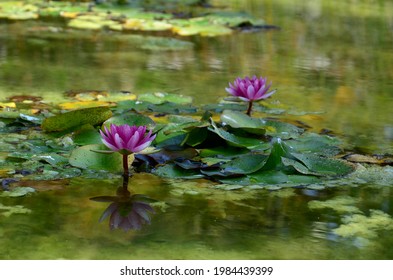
pixel 126 139
pixel 127 215
pixel 250 89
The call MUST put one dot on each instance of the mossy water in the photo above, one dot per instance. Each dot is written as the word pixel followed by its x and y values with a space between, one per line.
pixel 200 219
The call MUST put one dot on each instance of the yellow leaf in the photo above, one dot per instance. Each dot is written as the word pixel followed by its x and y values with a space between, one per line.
pixel 84 104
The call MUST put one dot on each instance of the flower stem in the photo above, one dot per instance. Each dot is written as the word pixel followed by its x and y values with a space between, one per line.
pixel 125 166
pixel 249 108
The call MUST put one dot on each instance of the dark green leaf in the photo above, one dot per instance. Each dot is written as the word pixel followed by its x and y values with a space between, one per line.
pixel 77 118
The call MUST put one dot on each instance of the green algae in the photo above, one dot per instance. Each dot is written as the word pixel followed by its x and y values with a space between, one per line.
pixel 17 192
pixel 341 204
pixel 369 227
pixel 7 211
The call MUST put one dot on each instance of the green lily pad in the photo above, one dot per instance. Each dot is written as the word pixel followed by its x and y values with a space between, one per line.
pixel 87 135
pixel 278 151
pixel 175 172
pixel 315 143
pixel 161 97
pixel 324 166
pixel 233 19
pixel 237 119
pixel 52 159
pixel 167 44
pixel 196 136
pixel 136 105
pixel 172 108
pixel 273 128
pixel 238 141
pixel 131 118
pixel 77 118
pixel 85 157
pixel 146 25
pixel 93 22
pixel 245 164
pixel 199 26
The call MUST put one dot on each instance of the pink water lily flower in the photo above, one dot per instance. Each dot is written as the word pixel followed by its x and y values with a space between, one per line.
pixel 126 139
pixel 250 89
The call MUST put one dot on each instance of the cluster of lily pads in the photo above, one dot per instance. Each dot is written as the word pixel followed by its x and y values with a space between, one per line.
pixel 218 142
pixel 87 16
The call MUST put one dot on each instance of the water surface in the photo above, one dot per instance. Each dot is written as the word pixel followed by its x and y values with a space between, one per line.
pixel 330 58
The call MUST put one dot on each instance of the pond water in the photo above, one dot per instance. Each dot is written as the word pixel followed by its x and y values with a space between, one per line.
pixel 331 63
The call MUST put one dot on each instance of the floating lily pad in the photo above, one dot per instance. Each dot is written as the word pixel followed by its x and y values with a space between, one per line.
pixel 131 118
pixel 77 118
pixel 324 166
pixel 85 157
pixel 93 22
pixel 87 135
pixel 233 19
pixel 245 164
pixel 199 26
pixel 238 141
pixel 161 97
pixel 175 172
pixel 146 25
pixel 315 143
pixel 167 44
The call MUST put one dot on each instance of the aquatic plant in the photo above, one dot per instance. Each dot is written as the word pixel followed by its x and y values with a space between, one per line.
pixel 250 90
pixel 126 140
